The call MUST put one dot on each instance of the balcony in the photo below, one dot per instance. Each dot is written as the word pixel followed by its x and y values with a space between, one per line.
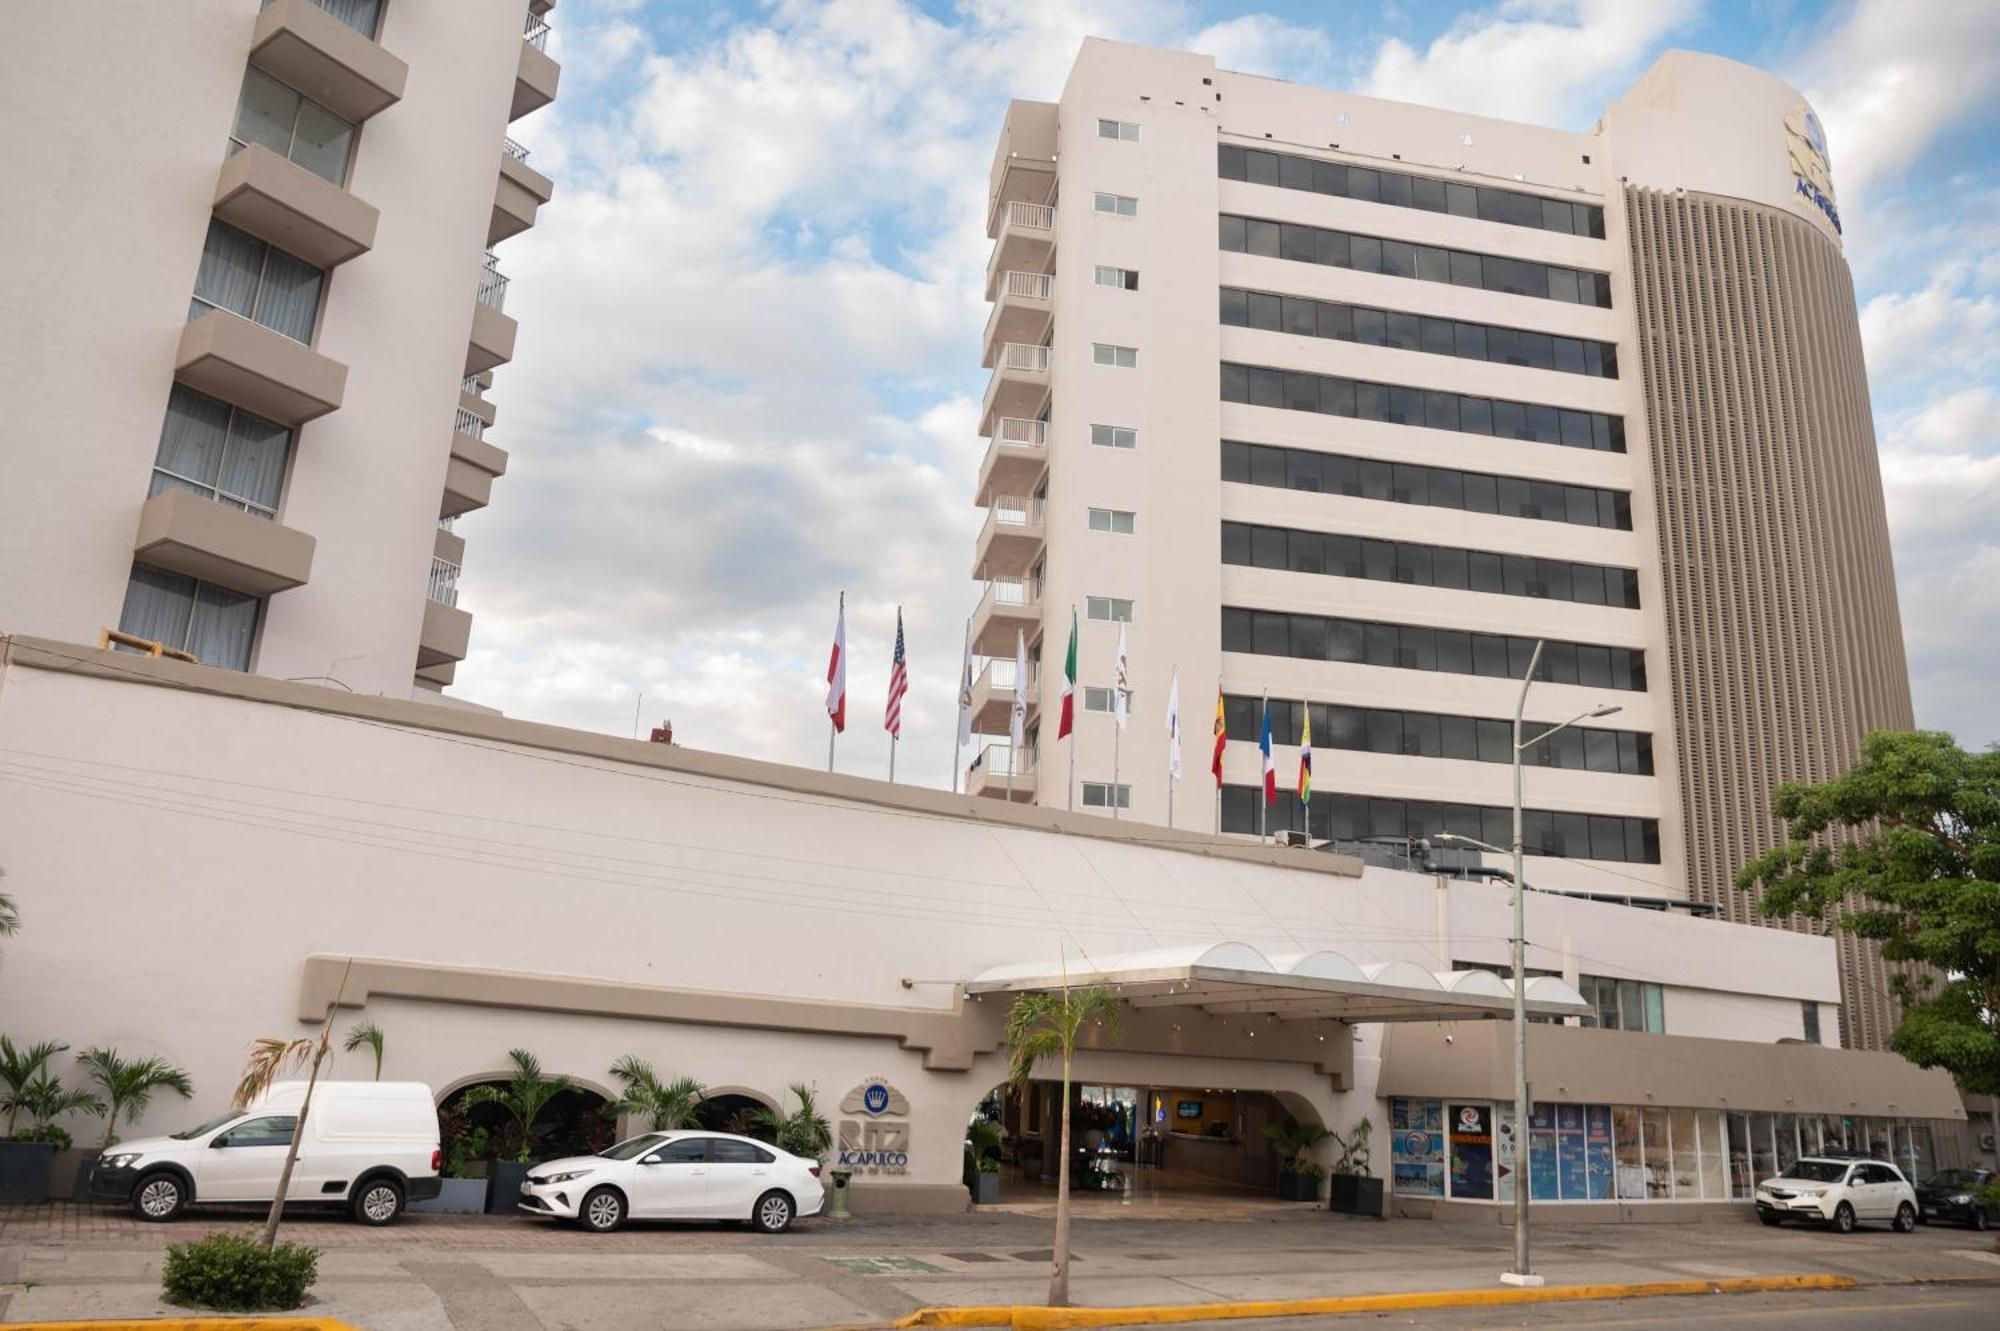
pixel 536 76
pixel 445 634
pixel 1009 610
pixel 996 774
pixel 448 545
pixel 1022 312
pixel 283 203
pixel 1026 240
pixel 492 338
pixel 1024 160
pixel 520 192
pixel 301 45
pixel 993 698
pixel 469 474
pixel 1020 385
pixel 1012 538
pixel 1015 460
pixel 443 587
pixel 189 533
pixel 470 403
pixel 263 372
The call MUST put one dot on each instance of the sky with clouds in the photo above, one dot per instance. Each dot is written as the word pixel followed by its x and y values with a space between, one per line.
pixel 747 374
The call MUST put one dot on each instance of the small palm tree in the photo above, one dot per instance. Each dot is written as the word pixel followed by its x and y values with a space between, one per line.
pixel 366 1034
pixel 804 1132
pixel 46 1099
pixel 524 1096
pixel 128 1086
pixel 10 915
pixel 270 1058
pixel 668 1106
pixel 1295 1140
pixel 19 1066
pixel 1047 1025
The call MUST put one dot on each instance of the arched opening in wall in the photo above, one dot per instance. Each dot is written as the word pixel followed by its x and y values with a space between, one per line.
pixel 475 1129
pixel 1154 1145
pixel 733 1111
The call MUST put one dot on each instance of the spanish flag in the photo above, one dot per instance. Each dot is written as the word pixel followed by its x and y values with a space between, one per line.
pixel 1221 737
pixel 1306 757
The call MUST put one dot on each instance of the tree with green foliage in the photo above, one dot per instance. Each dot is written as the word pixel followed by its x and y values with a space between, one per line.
pixel 365 1035
pixel 1904 848
pixel 20 1066
pixel 523 1096
pixel 1044 1026
pixel 804 1132
pixel 668 1105
pixel 128 1085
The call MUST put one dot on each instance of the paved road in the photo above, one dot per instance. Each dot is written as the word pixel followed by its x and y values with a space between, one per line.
pixel 1906 1308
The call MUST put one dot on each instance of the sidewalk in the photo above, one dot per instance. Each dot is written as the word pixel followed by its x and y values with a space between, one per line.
pixel 436 1273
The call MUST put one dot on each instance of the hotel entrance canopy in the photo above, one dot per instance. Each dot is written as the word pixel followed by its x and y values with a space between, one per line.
pixel 1236 978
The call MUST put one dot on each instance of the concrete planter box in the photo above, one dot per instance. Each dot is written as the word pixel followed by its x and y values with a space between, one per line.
pixel 461 1196
pixel 1355 1194
pixel 24 1171
pixel 66 1168
pixel 504 1178
pixel 985 1189
pixel 1297 1187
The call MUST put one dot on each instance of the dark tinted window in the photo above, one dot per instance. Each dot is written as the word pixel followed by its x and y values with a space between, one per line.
pixel 271 1130
pixel 1404 189
pixel 726 1151
pixel 683 1151
pixel 1409 332
pixel 1350 817
pixel 1271 633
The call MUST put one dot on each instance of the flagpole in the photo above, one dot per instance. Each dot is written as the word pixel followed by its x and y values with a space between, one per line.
pixel 1116 732
pixel 892 760
pixel 1173 737
pixel 958 722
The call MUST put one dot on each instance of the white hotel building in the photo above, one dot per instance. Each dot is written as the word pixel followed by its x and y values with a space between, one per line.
pixel 1350 401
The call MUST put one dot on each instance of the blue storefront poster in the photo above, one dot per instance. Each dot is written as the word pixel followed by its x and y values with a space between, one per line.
pixel 1569 1146
pixel 1542 1166
pixel 1472 1151
pixel 1416 1146
pixel 1597 1151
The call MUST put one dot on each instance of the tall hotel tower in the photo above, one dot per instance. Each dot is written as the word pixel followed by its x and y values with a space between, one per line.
pixel 1349 402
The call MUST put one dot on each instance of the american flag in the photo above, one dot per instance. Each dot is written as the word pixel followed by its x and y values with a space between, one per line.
pixel 899 684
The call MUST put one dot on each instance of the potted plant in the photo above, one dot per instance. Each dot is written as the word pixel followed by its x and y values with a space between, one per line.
pixel 668 1105
pixel 27 1086
pixel 127 1091
pixel 524 1096
pixel 1298 1173
pixel 982 1161
pixel 1355 1189
pixel 463 1189
pixel 804 1132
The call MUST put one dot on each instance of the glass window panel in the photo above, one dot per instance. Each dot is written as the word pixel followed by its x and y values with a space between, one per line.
pixel 1305 552
pixel 192 440
pixel 1267 547
pixel 1440 410
pixel 1450 568
pixel 1381 644
pixel 321 142
pixel 1496 741
pixel 1404 331
pixel 1231 233
pixel 1366 253
pixel 1333 249
pixel 1658 1162
pixel 1297 243
pixel 1235 543
pixel 158 606
pixel 1336 396
pixel 265 111
pixel 1235 307
pixel 1303 470
pixel 1377 479
pixel 289 298
pixel 1469 341
pixel 1271 634
pixel 1260 168
pixel 1371 327
pixel 224 622
pixel 1329 178
pixel 1420 732
pixel 1371 401
pixel 1295 172
pixel 1345 728
pixel 1301 391
pixel 1446 488
pixel 1345 641
pixel 1458 737
pixel 1385 731
pixel 1264 310
pixel 1229 162
pixel 1482 493
pixel 1461 200
pixel 1413 564
pixel 1433 264
pixel 254 465
pixel 1399 258
pixel 1261 238
pixel 1686 1155
pixel 231 263
pixel 1600 754
pixel 1656 1017
pixel 1267 387
pixel 1410 483
pixel 1342 474
pixel 1336 321
pixel 1467 270
pixel 1235 383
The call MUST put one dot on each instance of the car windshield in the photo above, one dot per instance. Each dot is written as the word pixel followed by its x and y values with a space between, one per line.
pixel 1817 1171
pixel 632 1146
pixel 1954 1178
pixel 207 1127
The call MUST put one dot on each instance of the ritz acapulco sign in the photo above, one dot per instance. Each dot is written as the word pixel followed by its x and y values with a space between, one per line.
pixel 874 1130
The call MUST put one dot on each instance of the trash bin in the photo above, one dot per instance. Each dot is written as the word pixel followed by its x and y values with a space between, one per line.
pixel 836 1208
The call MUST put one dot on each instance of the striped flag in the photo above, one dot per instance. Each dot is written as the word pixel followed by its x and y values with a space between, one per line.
pixel 1068 722
pixel 1270 763
pixel 1306 758
pixel 836 672
pixel 1221 736
pixel 1174 726
pixel 899 684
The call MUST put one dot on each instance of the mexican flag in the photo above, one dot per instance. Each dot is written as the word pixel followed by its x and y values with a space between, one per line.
pixel 1069 681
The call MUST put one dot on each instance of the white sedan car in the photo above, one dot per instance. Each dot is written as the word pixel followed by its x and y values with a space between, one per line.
pixel 1839 1193
pixel 677 1176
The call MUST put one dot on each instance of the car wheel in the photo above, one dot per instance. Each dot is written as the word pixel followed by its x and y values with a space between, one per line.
pixel 1979 1218
pixel 378 1201
pixel 1772 1220
pixel 773 1213
pixel 1906 1218
pixel 159 1197
pixel 1843 1218
pixel 603 1210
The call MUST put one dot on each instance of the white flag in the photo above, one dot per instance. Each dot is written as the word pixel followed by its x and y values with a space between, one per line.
pixel 1174 726
pixel 965 692
pixel 1020 720
pixel 1121 693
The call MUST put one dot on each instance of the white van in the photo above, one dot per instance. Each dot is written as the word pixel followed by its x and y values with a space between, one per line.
pixel 370 1146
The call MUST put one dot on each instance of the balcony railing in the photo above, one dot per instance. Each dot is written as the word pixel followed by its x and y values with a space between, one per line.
pixel 1021 593
pixel 1030 286
pixel 492 283
pixel 536 33
pixel 1000 760
pixel 1017 511
pixel 1023 433
pixel 514 150
pixel 469 384
pixel 446 524
pixel 444 582
pixel 469 425
pixel 1037 216
pixel 1024 357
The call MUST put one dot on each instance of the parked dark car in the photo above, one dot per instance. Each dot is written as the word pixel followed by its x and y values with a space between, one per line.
pixel 1953 1195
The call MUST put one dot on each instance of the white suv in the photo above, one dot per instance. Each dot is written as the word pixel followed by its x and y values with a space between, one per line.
pixel 1838 1193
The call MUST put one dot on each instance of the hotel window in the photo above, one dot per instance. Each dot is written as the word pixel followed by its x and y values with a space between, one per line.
pixel 1433 487
pixel 1422 647
pixel 1122 279
pixel 1433 735
pixel 212 623
pixel 1104 353
pixel 1338 816
pixel 1624 1005
pixel 1117 520
pixel 1809 1012
pixel 1114 436
pixel 1123 130
pixel 1370 326
pixel 1098 700
pixel 360 15
pixel 243 275
pixel 1113 609
pixel 1120 205
pixel 1104 795
pixel 303 131
pixel 1401 189
pixel 222 453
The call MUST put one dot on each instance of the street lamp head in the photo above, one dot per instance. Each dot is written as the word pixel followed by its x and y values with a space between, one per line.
pixel 1608 709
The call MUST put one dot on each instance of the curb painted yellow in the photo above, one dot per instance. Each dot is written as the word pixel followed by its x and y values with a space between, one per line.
pixel 1030 1318
pixel 190 1324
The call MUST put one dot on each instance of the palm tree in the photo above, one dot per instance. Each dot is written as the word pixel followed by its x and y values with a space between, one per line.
pixel 46 1100
pixel 1295 1140
pixel 668 1106
pixel 1043 1026
pixel 19 1066
pixel 524 1096
pixel 128 1086
pixel 270 1058
pixel 10 915
pixel 369 1034
pixel 805 1131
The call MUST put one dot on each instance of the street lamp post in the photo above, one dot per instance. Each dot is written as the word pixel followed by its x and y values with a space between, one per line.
pixel 1523 1273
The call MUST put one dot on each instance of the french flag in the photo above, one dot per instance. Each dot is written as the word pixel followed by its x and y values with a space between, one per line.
pixel 1270 764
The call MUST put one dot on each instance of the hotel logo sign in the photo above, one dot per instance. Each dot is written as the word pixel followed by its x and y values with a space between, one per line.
pixel 1812 168
pixel 874 1130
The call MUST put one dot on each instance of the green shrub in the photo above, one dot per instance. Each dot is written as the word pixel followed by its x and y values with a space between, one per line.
pixel 236 1274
